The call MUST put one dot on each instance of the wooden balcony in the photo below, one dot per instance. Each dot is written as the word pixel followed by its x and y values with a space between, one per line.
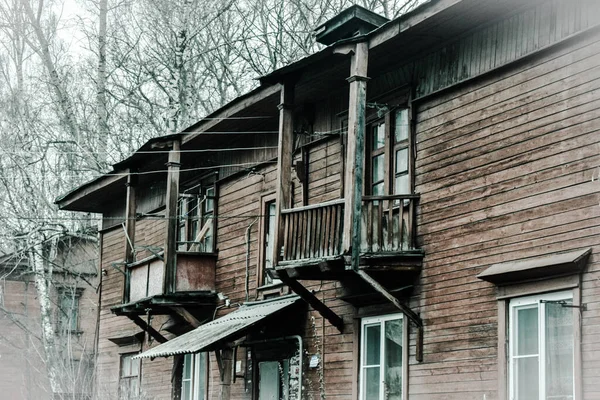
pixel 388 226
pixel 312 238
pixel 312 232
pixel 193 283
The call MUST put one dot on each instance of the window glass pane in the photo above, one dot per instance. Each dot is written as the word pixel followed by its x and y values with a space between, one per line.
pixel 401 160
pixel 526 378
pixel 559 351
pixel 187 366
pixel 372 346
pixel 401 185
pixel 371 383
pixel 378 137
pixel 126 366
pixel 393 359
pixel 135 367
pixel 401 128
pixel 201 375
pixel 186 390
pixel 134 388
pixel 378 168
pixel 209 201
pixel 527 331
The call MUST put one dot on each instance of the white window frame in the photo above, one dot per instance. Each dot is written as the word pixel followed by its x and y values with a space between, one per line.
pixel 531 301
pixel 198 371
pixel 381 319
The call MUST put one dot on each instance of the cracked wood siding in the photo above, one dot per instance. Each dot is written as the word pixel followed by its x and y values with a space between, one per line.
pixel 505 167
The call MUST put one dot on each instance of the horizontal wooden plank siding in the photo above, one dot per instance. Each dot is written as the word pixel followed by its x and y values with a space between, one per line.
pixel 507 168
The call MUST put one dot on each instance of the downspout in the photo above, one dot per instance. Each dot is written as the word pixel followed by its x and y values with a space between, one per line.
pixel 247 279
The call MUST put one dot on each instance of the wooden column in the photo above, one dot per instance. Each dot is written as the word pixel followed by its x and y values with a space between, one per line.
pixel 355 153
pixel 130 212
pixel 284 162
pixel 226 369
pixel 171 215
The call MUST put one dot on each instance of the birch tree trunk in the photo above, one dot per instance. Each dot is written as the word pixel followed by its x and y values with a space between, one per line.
pixel 41 274
pixel 102 132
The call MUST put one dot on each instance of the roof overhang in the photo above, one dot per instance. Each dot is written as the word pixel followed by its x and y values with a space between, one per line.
pixel 216 334
pixel 537 268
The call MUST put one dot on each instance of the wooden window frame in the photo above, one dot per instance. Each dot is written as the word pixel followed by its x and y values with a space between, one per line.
pixel 389 151
pixel 72 293
pixel 184 219
pixel 570 284
pixel 265 200
pixel 196 372
pixel 129 377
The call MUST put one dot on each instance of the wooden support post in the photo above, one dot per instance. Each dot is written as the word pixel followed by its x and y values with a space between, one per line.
pixel 314 302
pixel 284 162
pixel 171 215
pixel 187 316
pixel 355 153
pixel 226 368
pixel 130 212
pixel 147 328
pixel 130 219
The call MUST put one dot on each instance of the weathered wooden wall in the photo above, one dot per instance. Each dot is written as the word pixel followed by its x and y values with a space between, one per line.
pixel 491 46
pixel 506 167
pixel 156 375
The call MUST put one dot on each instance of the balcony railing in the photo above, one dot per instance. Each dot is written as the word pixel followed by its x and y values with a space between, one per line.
pixel 313 231
pixel 387 223
pixel 194 272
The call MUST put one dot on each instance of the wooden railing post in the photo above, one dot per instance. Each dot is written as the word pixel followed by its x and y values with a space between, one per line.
pixel 353 178
pixel 171 215
pixel 284 162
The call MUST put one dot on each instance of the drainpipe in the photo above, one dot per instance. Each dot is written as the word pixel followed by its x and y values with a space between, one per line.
pixel 247 281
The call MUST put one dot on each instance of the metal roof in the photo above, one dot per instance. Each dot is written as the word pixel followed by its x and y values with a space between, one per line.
pixel 230 327
pixel 556 264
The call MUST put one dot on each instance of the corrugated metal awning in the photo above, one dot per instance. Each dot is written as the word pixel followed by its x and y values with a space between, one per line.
pixel 230 327
pixel 546 266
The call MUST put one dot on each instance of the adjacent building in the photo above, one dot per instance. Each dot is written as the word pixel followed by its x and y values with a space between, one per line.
pixel 410 213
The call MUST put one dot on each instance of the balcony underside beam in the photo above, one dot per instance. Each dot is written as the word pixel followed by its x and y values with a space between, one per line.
pixel 311 299
pixel 405 310
pixel 147 328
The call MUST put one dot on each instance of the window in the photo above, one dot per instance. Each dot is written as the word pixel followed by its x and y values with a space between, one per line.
pixel 195 210
pixel 267 233
pixel 541 347
pixel 382 366
pixel 129 379
pixel 388 161
pixel 68 310
pixel 193 377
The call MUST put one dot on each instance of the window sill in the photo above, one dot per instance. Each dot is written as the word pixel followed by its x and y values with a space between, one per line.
pixel 271 290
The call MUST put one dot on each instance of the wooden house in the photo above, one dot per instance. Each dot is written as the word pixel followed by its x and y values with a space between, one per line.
pixel 74 314
pixel 428 186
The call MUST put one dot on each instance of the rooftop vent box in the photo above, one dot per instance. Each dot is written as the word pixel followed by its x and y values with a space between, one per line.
pixel 353 21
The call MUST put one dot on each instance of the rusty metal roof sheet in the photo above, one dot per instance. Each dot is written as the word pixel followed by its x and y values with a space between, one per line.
pixel 230 327
pixel 546 266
